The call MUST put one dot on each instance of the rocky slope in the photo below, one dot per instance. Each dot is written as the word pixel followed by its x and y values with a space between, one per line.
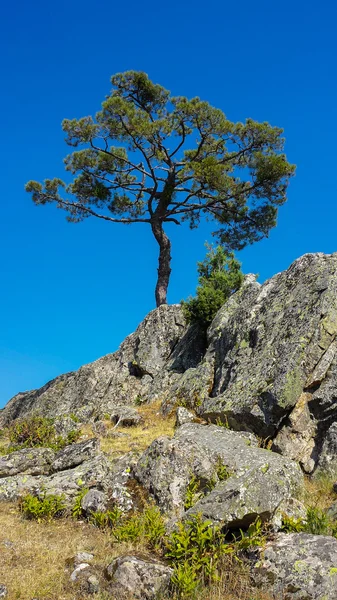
pixel 268 366
pixel 266 374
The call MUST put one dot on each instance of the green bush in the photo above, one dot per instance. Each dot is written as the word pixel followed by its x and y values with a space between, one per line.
pixel 37 431
pixel 44 508
pixel 109 518
pixel 220 276
pixel 77 510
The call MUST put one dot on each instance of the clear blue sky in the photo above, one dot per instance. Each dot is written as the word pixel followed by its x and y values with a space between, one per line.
pixel 71 293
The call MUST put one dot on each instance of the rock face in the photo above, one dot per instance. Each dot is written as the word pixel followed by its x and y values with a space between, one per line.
pixel 299 566
pixel 271 361
pixel 238 480
pixel 132 577
pixel 269 364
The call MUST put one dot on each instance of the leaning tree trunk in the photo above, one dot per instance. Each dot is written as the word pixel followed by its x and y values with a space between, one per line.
pixel 164 262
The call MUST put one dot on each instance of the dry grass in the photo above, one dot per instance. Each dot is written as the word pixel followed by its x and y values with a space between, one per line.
pixel 35 558
pixel 319 492
pixel 140 437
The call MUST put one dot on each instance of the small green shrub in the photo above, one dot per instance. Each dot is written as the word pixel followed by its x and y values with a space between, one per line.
pixel 154 527
pixel 107 519
pixel 37 431
pixel 185 580
pixel 291 525
pixel 253 537
pixel 318 523
pixel 130 530
pixel 33 431
pixel 200 545
pixel 44 508
pixel 193 493
pixel 77 510
pixel 220 276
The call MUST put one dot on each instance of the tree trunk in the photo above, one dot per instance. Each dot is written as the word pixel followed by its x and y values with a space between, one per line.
pixel 164 262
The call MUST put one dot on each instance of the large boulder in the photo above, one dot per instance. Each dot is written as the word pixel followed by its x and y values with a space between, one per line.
pixel 30 461
pixel 239 481
pixel 298 566
pixel 93 473
pixel 133 577
pixel 271 360
pixel 75 454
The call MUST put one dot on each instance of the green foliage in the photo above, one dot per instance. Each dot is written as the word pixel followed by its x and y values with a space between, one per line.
pixel 44 508
pixel 148 526
pixel 317 522
pixel 38 431
pixel 254 536
pixel 219 276
pixel 194 550
pixel 107 519
pixel 192 493
pixel 291 525
pixel 77 510
pixel 151 157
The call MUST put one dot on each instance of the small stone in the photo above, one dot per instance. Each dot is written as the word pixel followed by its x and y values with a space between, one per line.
pixel 183 416
pixel 83 557
pixel 93 584
pixel 78 570
pixel 94 501
pixel 100 428
pixel 125 416
pixel 134 578
pixel 3 591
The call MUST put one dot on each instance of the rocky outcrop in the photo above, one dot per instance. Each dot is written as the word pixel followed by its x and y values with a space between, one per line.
pixel 271 361
pixel 139 369
pixel 237 480
pixel 268 366
pixel 299 566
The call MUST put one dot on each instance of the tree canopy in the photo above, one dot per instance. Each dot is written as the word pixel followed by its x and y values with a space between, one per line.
pixel 149 157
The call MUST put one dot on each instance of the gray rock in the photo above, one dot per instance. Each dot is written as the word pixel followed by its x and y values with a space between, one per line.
pixel 94 501
pixel 75 454
pixel 327 462
pixel 332 511
pixel 239 501
pixel 116 379
pixel 299 566
pixel 81 567
pixel 121 474
pixel 83 557
pixel 271 360
pixel 31 461
pixel 95 472
pixel 142 580
pixel 3 591
pixel 125 416
pixel 291 508
pixel 183 416
pixel 65 425
pixel 100 428
pixel 167 467
pixel 93 584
